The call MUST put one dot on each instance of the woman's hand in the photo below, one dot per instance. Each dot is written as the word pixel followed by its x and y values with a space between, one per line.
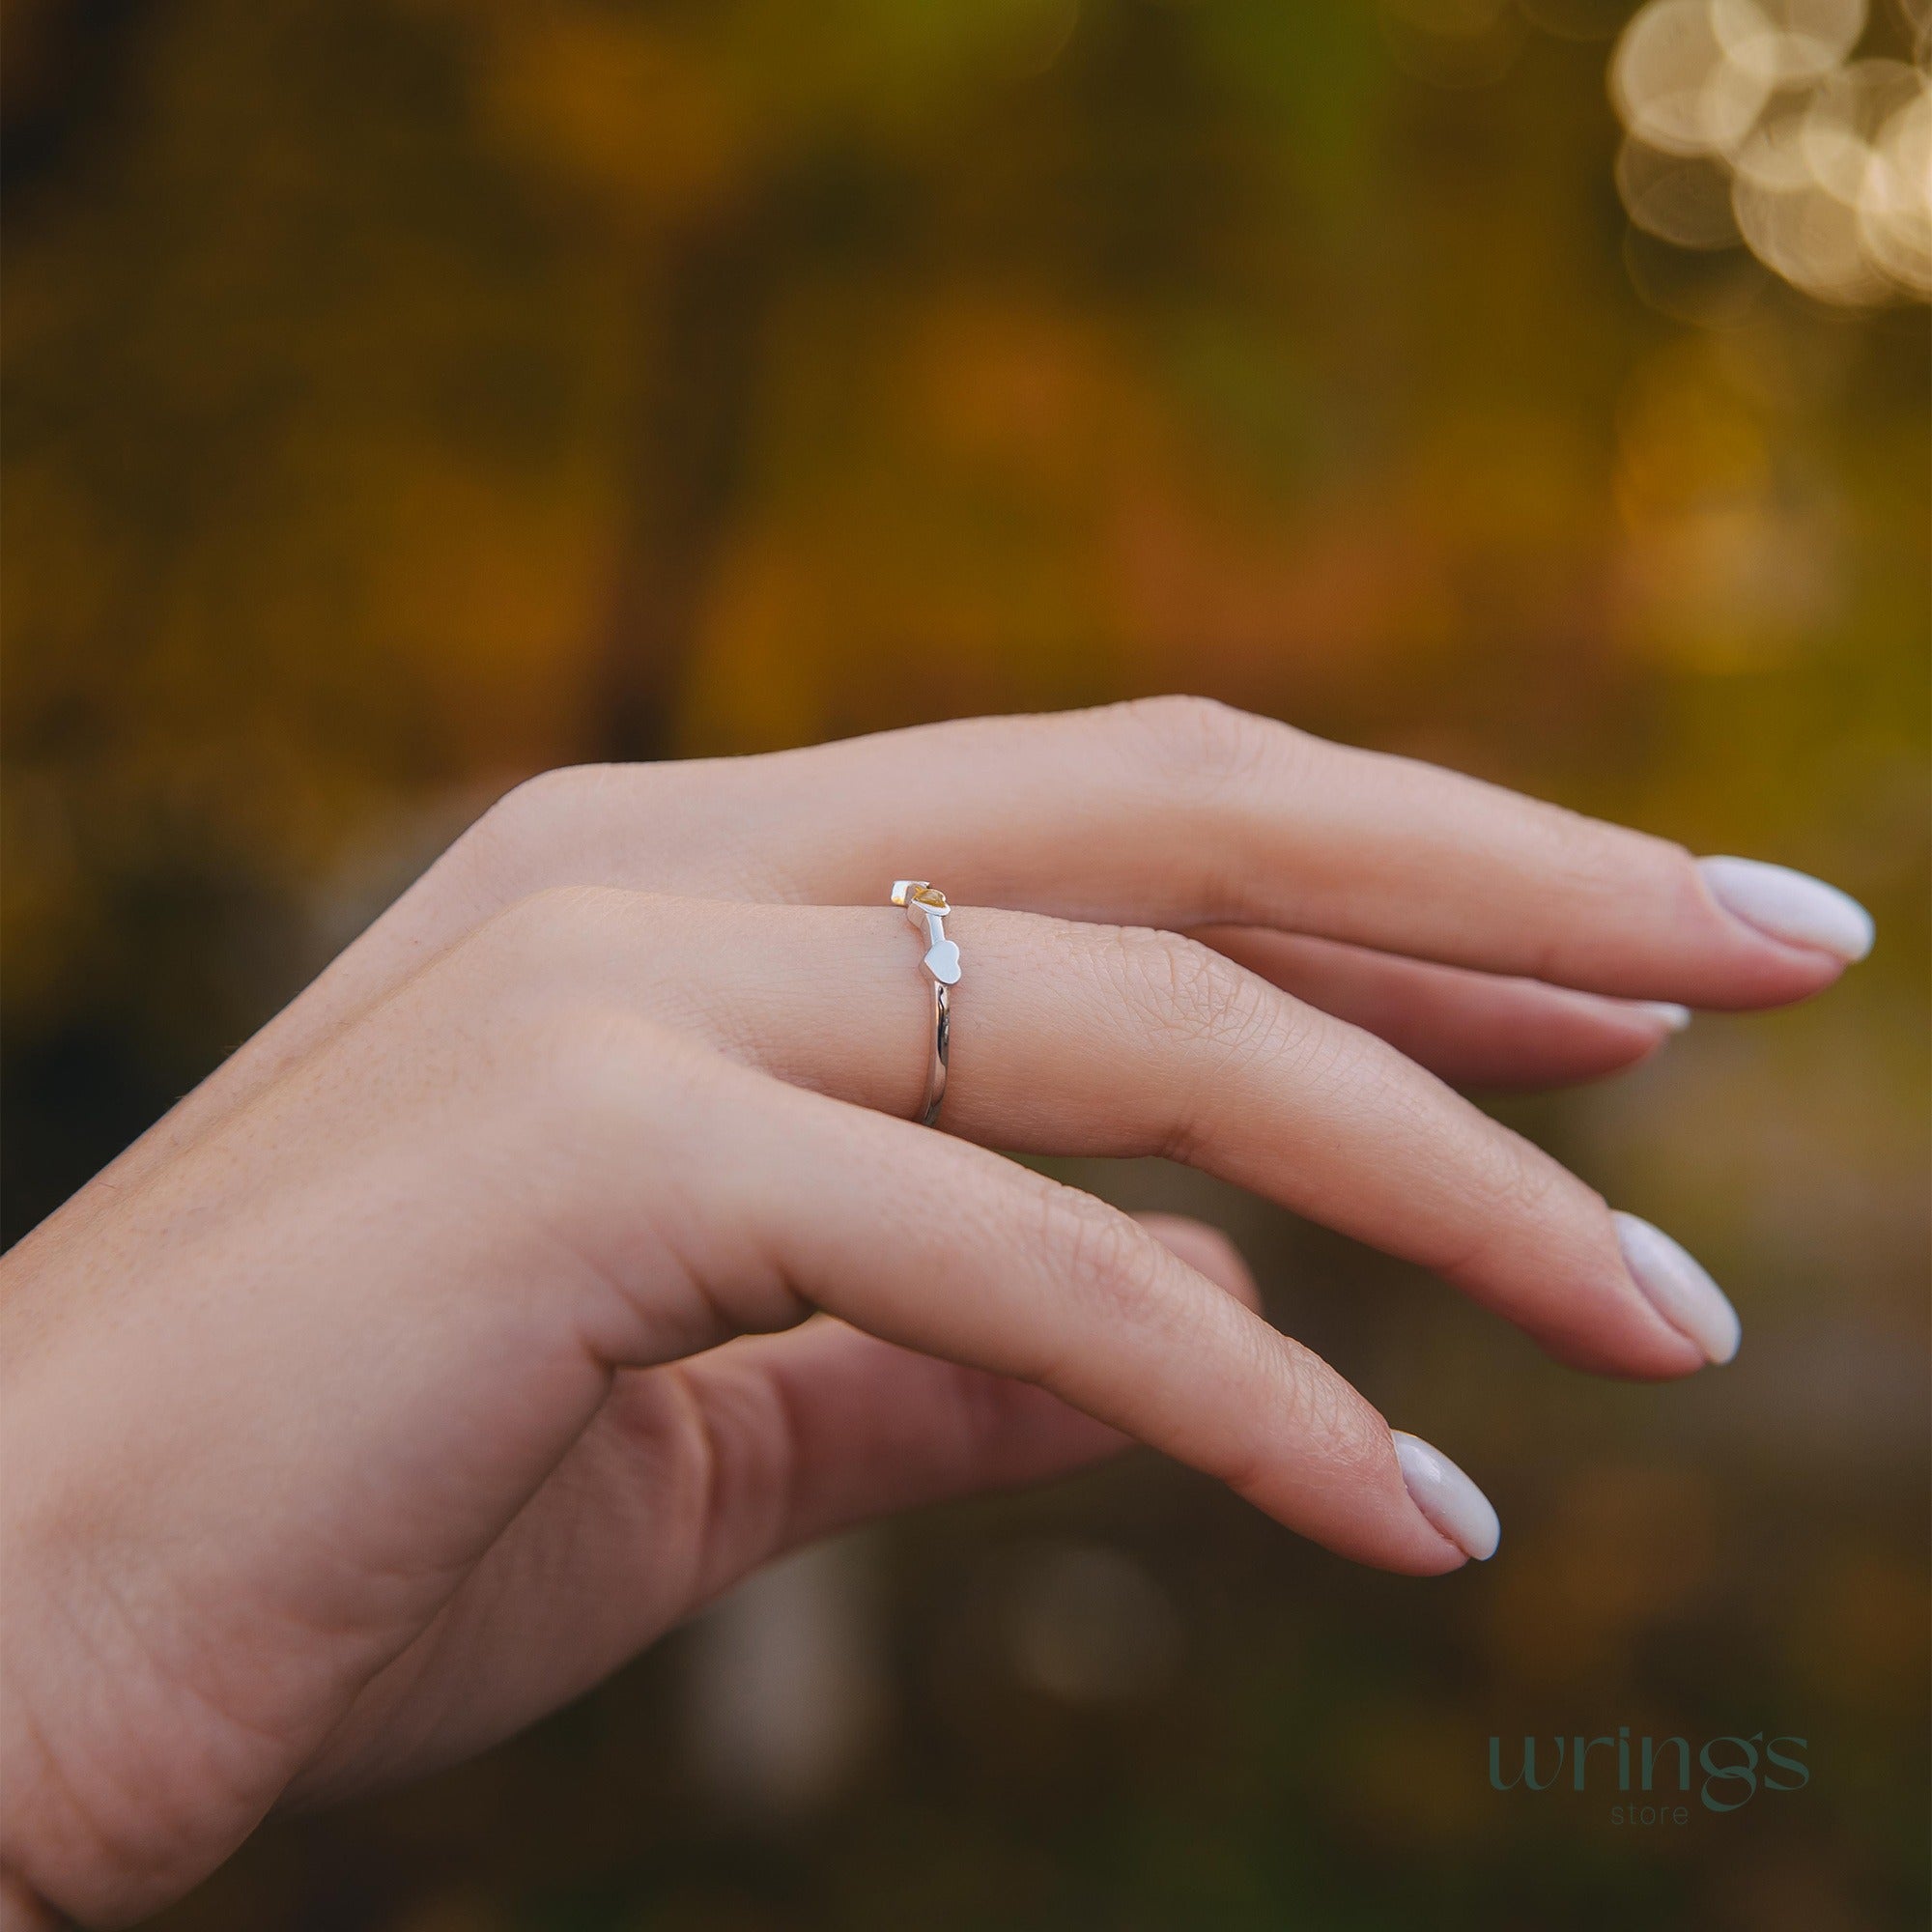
pixel 386 1395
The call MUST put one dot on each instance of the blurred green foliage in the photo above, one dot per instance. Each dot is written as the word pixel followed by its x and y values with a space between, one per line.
pixel 405 395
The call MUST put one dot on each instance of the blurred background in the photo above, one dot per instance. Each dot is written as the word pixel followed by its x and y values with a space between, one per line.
pixel 406 395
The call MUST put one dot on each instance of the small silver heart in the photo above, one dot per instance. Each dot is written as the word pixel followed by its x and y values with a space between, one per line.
pixel 942 961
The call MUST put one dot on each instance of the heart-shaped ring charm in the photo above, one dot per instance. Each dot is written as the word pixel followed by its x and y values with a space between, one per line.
pixel 942 961
pixel 925 910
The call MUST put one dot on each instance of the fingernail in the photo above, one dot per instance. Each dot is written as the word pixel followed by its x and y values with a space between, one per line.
pixel 1447 1498
pixel 1792 906
pixel 1674 1017
pixel 1678 1289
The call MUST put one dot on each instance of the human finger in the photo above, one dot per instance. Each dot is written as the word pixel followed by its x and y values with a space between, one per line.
pixel 1181 812
pixel 1074 1038
pixel 776 1199
pixel 1474 1030
pixel 1176 812
pixel 786 1438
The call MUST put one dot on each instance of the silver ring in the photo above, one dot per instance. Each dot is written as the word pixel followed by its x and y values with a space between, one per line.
pixel 925 910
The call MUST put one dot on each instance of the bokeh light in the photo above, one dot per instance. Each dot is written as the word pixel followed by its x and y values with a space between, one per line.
pixel 1750 122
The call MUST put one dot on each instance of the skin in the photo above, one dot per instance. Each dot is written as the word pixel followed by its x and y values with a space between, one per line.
pixel 564 1252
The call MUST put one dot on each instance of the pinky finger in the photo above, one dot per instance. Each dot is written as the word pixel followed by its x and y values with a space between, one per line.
pixel 871 1429
pixel 775 1199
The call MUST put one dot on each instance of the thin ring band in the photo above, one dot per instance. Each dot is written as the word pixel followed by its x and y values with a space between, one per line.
pixel 925 910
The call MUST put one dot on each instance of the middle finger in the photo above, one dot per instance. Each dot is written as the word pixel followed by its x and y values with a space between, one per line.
pixel 1073 1038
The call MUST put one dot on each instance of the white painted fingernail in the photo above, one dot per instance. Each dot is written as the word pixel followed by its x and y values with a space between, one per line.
pixel 1674 1017
pixel 1792 906
pixel 1678 1289
pixel 1447 1498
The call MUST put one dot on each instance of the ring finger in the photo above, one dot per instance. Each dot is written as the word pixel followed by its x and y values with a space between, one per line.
pixel 1073 1038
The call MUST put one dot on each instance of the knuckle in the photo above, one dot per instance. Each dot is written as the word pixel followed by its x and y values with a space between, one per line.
pixel 586 1071
pixel 538 935
pixel 1355 1432
pixel 577 1058
pixel 1341 1425
pixel 1200 743
pixel 1587 858
pixel 545 791
pixel 1512 1185
pixel 1326 1424
pixel 524 819
pixel 1103 1257
pixel 552 961
pixel 1183 989
pixel 1593 868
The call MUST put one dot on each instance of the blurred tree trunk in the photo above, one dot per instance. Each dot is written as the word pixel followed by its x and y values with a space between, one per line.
pixel 708 311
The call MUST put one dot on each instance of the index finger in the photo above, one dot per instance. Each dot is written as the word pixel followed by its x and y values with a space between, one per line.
pixel 1180 812
pixel 1176 813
